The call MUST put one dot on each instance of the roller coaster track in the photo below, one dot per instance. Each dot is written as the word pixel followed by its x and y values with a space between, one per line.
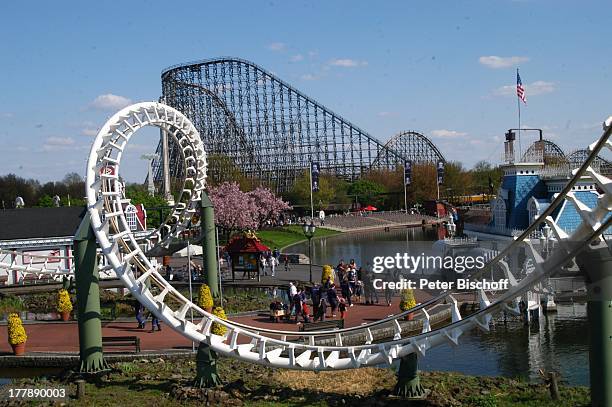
pixel 305 350
pixel 308 350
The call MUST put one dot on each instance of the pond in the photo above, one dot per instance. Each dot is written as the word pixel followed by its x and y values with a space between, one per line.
pixel 557 342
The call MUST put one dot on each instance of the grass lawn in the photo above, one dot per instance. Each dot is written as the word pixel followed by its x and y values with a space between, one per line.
pixel 286 235
pixel 163 383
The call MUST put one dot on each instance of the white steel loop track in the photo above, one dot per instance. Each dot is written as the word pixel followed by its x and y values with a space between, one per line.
pixel 312 350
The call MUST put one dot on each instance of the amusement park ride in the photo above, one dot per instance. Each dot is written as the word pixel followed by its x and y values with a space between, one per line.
pixel 107 230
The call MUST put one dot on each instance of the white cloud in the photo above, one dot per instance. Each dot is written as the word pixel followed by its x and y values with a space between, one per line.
pixel 297 58
pixel 444 133
pixel 347 63
pixel 277 46
pixel 496 62
pixel 312 54
pixel 386 114
pixel 534 89
pixel 309 77
pixel 6 115
pixel 89 132
pixel 110 102
pixel 59 141
pixel 539 88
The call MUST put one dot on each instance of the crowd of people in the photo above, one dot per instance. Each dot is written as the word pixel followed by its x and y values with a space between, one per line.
pixel 347 285
pixel 269 261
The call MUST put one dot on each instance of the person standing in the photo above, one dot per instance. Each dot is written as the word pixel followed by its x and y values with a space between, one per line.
pixel 369 291
pixel 346 291
pixel 332 299
pixel 262 264
pixel 155 323
pixel 138 309
pixel 297 304
pixel 273 264
pixel 292 293
pixel 388 292
pixel 342 308
pixel 352 280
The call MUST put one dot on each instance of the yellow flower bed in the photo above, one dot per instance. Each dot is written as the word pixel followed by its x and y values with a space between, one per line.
pixel 205 299
pixel 16 331
pixel 408 300
pixel 327 273
pixel 63 301
pixel 216 328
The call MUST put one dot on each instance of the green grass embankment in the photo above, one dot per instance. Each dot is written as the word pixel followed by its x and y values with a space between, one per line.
pixel 288 235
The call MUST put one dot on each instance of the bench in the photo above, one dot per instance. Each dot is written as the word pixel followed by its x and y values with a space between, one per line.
pixel 121 341
pixel 329 324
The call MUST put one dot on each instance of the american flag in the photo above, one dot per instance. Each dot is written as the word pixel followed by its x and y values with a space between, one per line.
pixel 520 90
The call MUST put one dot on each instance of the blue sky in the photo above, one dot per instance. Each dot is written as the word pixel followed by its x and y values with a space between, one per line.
pixel 446 69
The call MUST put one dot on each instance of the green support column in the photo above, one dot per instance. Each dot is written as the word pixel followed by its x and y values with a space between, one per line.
pixel 596 264
pixel 88 299
pixel 209 245
pixel 408 381
pixel 206 367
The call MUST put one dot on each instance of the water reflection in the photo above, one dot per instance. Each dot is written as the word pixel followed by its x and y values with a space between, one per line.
pixel 363 247
pixel 558 342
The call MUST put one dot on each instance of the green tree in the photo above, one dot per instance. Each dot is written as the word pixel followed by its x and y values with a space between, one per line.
pixel 367 192
pixel 45 201
pixel 12 186
pixel 457 181
pixel 392 181
pixel 138 194
pixel 423 186
pixel 331 190
pixel 483 173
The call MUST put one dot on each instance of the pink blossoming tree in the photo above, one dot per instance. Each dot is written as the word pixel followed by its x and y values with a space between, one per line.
pixel 269 206
pixel 238 210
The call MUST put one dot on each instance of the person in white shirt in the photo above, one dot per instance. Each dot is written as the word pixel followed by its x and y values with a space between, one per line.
pixel 292 289
pixel 273 264
pixel 292 292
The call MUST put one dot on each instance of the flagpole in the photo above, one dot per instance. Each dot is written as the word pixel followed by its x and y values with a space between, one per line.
pixel 518 103
pixel 311 206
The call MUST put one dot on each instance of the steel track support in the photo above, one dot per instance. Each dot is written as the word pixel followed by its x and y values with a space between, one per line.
pixel 209 245
pixel 206 367
pixel 596 264
pixel 408 381
pixel 88 299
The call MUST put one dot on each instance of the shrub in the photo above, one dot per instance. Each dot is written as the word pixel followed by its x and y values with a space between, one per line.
pixel 16 331
pixel 408 300
pixel 10 304
pixel 40 303
pixel 63 301
pixel 216 328
pixel 205 299
pixel 327 273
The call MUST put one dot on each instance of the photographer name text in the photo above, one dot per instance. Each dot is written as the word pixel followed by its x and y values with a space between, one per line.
pixel 426 284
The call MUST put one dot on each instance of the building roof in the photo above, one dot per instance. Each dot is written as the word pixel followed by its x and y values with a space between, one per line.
pixel 28 223
pixel 245 244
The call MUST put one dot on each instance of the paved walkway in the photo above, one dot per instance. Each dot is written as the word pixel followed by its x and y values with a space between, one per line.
pixel 63 337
